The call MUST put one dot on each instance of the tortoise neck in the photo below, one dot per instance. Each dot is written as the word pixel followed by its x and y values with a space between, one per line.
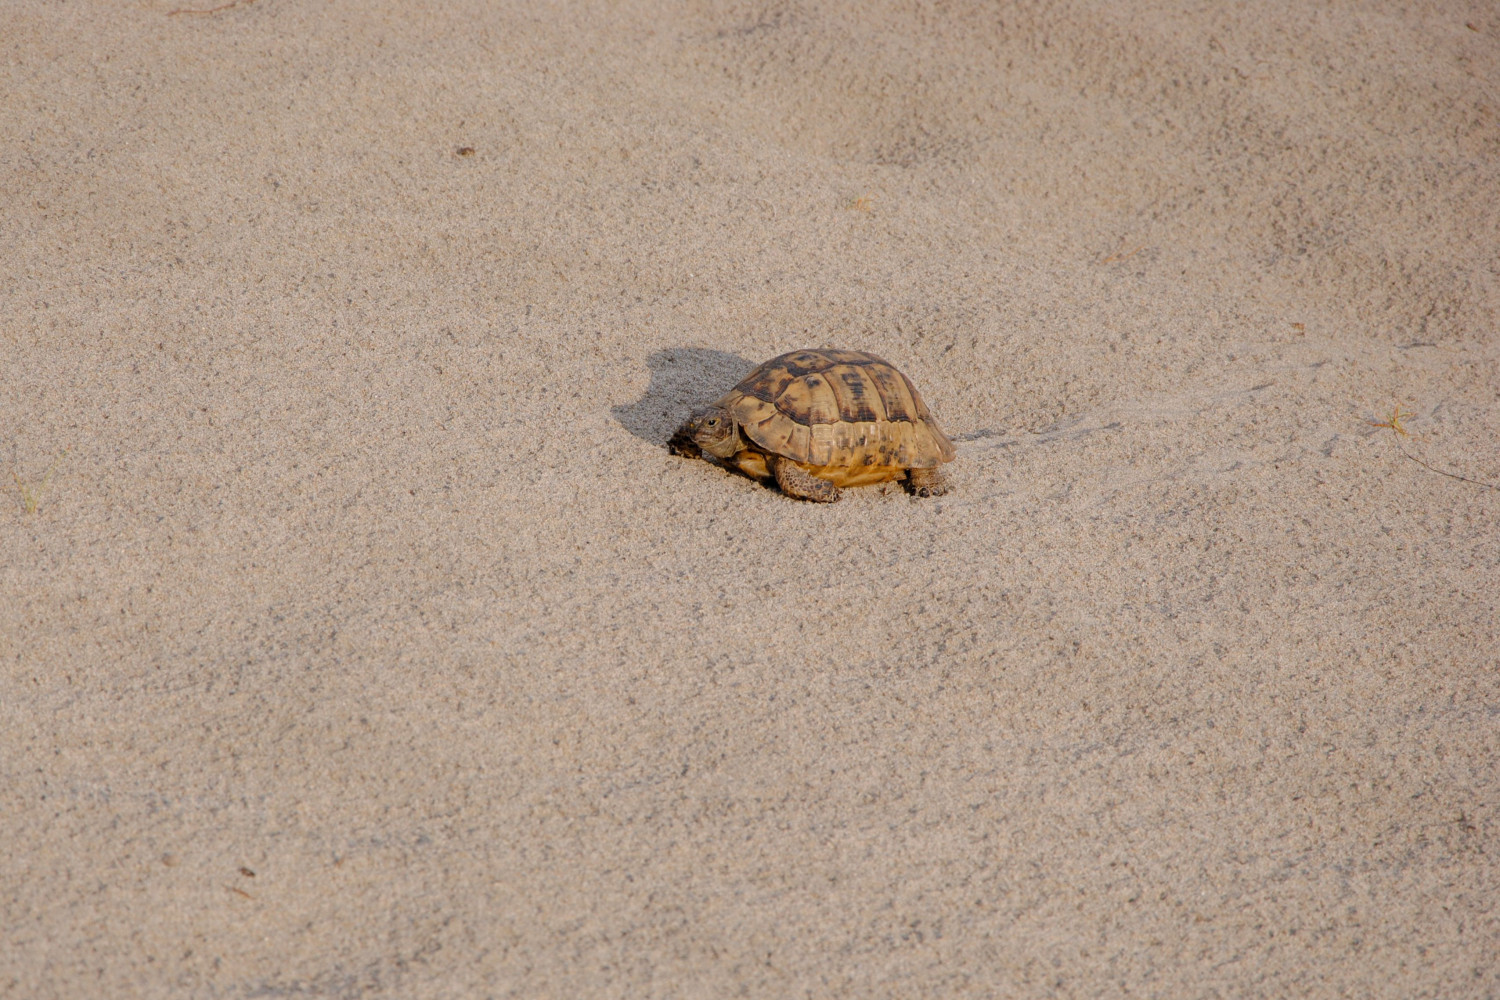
pixel 733 443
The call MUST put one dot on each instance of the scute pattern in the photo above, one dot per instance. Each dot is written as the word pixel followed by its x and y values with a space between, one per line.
pixel 838 408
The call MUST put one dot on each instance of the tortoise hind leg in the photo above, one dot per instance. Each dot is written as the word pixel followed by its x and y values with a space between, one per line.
pixel 797 482
pixel 927 482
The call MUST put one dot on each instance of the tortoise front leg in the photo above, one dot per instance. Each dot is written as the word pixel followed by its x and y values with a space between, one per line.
pixel 797 482
pixel 927 482
pixel 682 443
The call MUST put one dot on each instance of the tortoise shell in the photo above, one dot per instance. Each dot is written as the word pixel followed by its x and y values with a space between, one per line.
pixel 838 408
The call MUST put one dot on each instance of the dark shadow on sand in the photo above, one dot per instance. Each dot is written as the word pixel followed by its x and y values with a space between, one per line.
pixel 681 378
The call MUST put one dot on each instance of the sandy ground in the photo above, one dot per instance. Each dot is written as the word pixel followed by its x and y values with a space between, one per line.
pixel 359 638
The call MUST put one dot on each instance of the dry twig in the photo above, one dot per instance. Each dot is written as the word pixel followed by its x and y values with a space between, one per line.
pixel 1392 422
pixel 208 10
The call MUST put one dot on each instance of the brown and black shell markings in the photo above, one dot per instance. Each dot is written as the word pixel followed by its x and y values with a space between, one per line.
pixel 838 408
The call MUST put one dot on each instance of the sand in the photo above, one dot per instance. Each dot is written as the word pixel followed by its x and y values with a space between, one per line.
pixel 359 637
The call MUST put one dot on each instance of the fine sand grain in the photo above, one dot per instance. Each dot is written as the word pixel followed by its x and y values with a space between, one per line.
pixel 359 637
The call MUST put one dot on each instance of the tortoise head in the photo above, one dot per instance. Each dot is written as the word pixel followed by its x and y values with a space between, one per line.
pixel 713 429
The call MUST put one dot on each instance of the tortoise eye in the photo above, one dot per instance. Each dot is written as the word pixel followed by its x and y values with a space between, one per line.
pixel 713 421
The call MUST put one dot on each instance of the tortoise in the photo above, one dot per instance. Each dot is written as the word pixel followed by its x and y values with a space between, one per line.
pixel 816 420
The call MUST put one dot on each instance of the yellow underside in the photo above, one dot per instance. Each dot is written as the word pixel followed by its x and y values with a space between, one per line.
pixel 753 464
